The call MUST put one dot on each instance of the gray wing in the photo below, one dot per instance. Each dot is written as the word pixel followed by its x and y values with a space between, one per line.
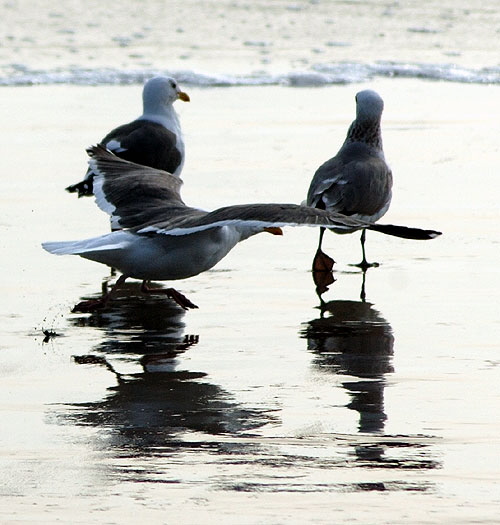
pixel 260 216
pixel 354 182
pixel 327 178
pixel 132 194
pixel 149 201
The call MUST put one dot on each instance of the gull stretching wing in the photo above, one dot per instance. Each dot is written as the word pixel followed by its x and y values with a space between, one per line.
pixel 161 238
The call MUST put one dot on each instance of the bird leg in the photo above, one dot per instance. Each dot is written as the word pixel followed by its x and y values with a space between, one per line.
pixel 94 304
pixel 364 264
pixel 322 262
pixel 171 293
pixel 322 268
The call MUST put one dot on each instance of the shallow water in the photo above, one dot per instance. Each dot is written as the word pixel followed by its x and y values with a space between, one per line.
pixel 302 42
pixel 256 407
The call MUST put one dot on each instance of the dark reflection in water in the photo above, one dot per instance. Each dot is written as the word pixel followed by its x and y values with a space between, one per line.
pixel 157 409
pixel 154 400
pixel 352 339
pixel 136 323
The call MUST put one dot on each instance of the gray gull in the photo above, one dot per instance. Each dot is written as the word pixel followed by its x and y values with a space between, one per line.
pixel 158 237
pixel 356 182
pixel 154 139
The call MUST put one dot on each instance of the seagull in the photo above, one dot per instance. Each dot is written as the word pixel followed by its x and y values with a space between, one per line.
pixel 157 237
pixel 356 182
pixel 154 139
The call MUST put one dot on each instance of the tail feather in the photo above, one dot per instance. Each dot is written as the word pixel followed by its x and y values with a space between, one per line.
pixel 404 232
pixel 104 243
pixel 60 247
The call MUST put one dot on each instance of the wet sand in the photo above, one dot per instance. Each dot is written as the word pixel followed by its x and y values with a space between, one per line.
pixel 254 408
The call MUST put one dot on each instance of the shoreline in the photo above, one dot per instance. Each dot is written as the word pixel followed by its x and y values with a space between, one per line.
pixel 226 37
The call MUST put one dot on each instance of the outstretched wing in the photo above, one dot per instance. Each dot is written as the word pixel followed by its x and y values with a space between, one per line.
pixel 264 216
pixel 132 194
pixel 149 201
pixel 256 216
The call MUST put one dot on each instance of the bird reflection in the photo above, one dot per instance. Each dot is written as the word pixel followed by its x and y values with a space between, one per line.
pixel 324 278
pixel 156 407
pixel 154 401
pixel 146 325
pixel 354 340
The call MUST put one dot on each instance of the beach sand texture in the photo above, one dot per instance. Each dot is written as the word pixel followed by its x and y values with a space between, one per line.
pixel 254 408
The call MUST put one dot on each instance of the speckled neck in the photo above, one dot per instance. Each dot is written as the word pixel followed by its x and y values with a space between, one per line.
pixel 367 132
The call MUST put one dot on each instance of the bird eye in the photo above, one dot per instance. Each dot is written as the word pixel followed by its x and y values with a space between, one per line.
pixel 173 84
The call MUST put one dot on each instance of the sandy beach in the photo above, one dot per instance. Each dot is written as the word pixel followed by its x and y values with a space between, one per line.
pixel 258 407
pixel 269 427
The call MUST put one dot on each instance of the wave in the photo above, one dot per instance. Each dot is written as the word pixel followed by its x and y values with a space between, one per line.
pixel 318 75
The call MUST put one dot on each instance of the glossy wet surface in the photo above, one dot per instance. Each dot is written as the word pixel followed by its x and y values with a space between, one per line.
pixel 260 406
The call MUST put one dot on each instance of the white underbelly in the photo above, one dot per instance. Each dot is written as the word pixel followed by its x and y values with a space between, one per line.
pixel 164 257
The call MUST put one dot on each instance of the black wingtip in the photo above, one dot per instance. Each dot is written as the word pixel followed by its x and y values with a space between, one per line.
pixel 405 232
pixel 83 188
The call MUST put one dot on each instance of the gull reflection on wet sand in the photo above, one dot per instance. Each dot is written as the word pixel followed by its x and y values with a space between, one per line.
pixel 155 402
pixel 159 420
pixel 353 340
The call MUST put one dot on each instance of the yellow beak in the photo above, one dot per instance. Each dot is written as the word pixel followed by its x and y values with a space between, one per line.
pixel 183 96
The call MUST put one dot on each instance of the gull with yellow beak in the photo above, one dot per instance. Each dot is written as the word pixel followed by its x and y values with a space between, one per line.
pixel 154 139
